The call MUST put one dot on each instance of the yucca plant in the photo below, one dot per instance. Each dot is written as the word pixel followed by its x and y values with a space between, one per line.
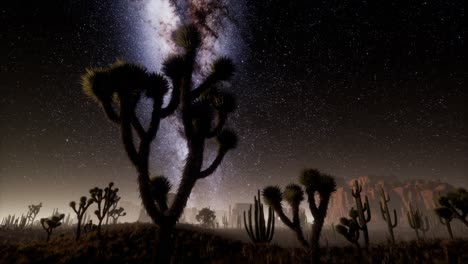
pixel 33 210
pixel 315 183
pixel 104 199
pixel 49 224
pixel 454 204
pixel 203 110
pixel 349 228
pixel 80 212
pixel 260 231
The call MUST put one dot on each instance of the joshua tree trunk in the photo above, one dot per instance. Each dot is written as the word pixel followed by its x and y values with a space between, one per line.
pixel 78 229
pixel 314 240
pixel 48 236
pixel 163 245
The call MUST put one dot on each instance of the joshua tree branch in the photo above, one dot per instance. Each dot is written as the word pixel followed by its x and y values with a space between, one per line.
pixel 208 171
pixel 203 87
pixel 127 138
pixel 138 127
pixel 110 112
pixel 222 116
pixel 312 205
pixel 154 123
pixel 174 102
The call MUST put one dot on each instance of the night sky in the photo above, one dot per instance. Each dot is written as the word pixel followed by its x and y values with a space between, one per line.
pixel 350 87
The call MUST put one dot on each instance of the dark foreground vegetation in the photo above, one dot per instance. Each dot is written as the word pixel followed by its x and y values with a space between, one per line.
pixel 134 243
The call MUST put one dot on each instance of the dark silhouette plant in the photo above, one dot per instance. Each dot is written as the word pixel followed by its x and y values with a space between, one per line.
pixel 315 183
pixel 104 199
pixel 225 221
pixel 385 198
pixel 261 232
pixel 116 213
pixel 49 224
pixel 114 209
pixel 202 109
pixel 80 212
pixel 416 221
pixel 349 228
pixel 206 217
pixel 454 204
pixel 364 212
pixel 33 210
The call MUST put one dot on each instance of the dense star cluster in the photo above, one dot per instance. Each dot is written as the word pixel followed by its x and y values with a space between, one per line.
pixel 352 88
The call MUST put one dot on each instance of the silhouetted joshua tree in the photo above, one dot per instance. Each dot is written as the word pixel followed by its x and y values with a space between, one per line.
pixel 202 109
pixel 80 212
pixel 317 184
pixel 349 228
pixel 454 204
pixel 114 208
pixel 364 212
pixel 262 233
pixel 104 200
pixel 116 213
pixel 33 210
pixel 416 221
pixel 206 217
pixel 49 224
pixel 385 198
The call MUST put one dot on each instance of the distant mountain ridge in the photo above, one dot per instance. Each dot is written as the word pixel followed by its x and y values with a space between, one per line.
pixel 420 193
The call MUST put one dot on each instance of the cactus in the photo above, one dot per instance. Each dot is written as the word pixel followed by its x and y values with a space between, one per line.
pixel 263 232
pixel 104 200
pixel 386 214
pixel 203 110
pixel 33 210
pixel 416 222
pixel 364 212
pixel 315 183
pixel 454 204
pixel 80 212
pixel 225 221
pixel 349 228
pixel 49 224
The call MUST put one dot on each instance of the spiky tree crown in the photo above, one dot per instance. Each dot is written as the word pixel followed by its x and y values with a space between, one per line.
pixel 293 194
pixel 227 139
pixel 188 37
pixel 313 180
pixel 272 196
pixel 160 187
pixel 223 68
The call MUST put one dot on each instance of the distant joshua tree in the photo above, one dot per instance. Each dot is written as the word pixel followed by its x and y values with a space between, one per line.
pixel 315 183
pixel 80 212
pixel 202 109
pixel 116 213
pixel 104 199
pixel 454 205
pixel 206 217
pixel 49 224
pixel 349 228
pixel 33 210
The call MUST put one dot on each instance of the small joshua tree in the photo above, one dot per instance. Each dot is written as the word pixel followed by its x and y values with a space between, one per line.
pixel 364 212
pixel 104 200
pixel 416 221
pixel 49 224
pixel 114 210
pixel 203 110
pixel 80 212
pixel 454 204
pixel 315 183
pixel 33 210
pixel 386 214
pixel 262 233
pixel 349 228
pixel 445 215
pixel 206 217
pixel 116 213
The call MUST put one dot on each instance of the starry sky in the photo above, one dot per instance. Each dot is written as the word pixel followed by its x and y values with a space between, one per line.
pixel 351 87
